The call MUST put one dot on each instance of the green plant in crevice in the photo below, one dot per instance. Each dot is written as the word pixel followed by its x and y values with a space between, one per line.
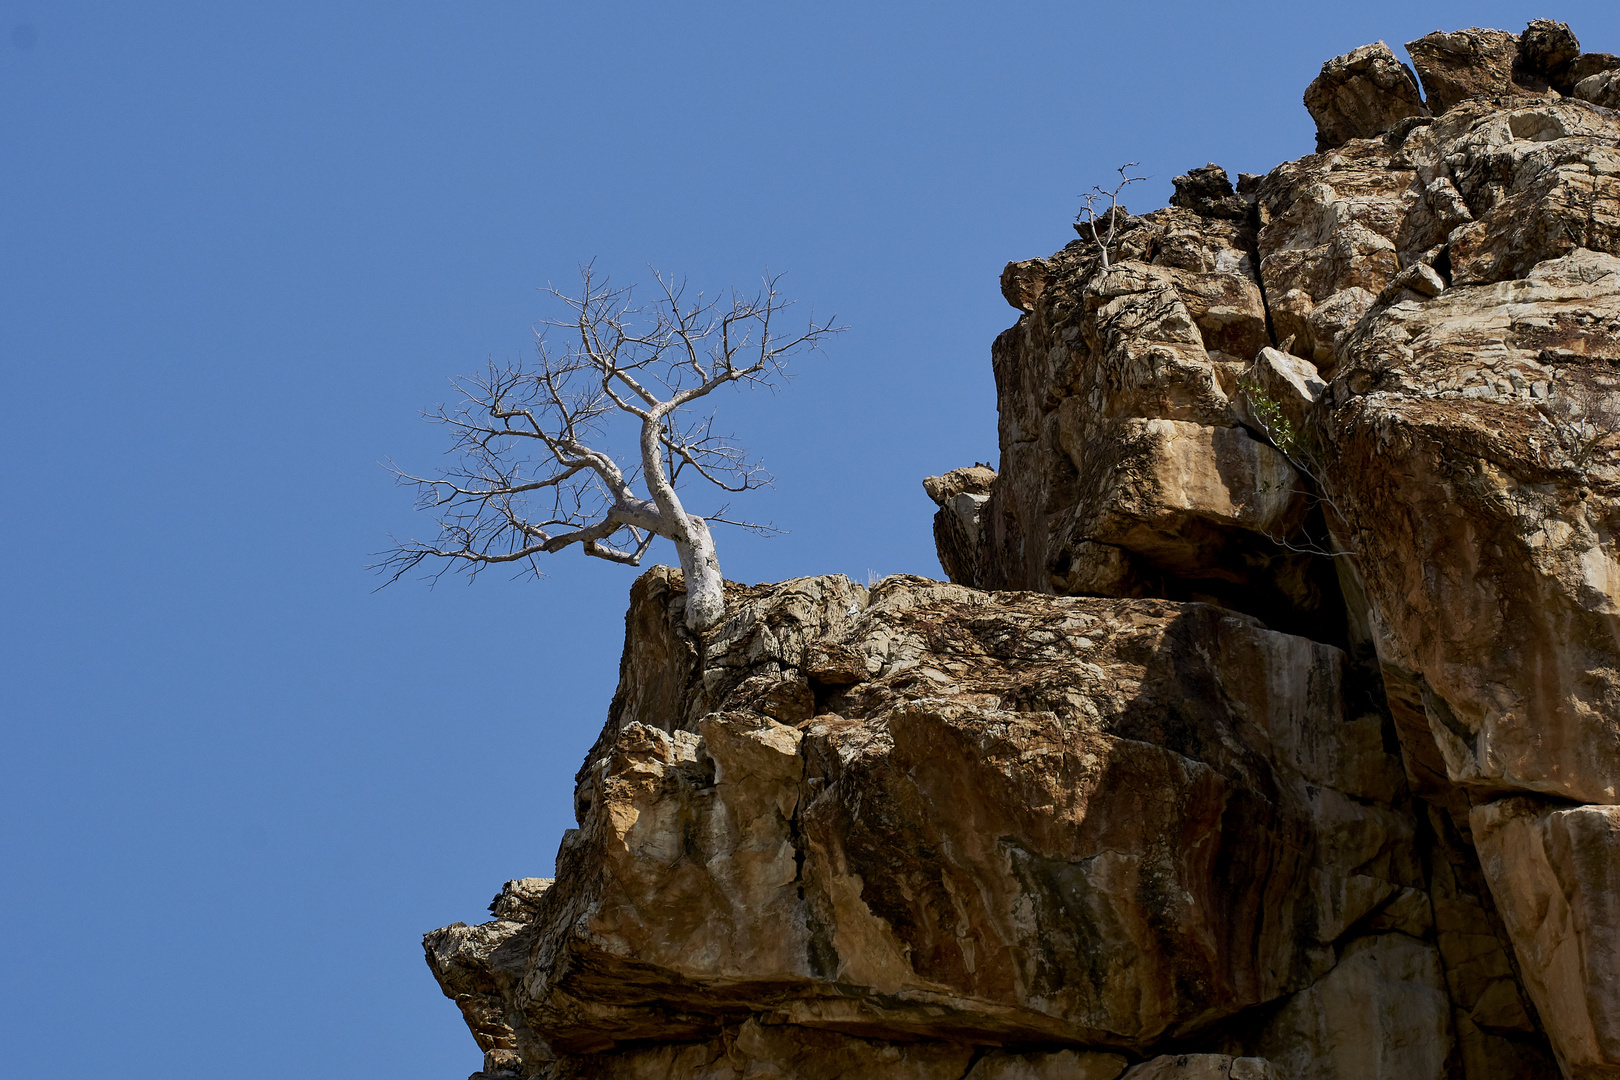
pixel 1296 446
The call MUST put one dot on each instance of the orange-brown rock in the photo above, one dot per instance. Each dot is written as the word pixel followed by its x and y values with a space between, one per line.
pixel 1017 789
pixel 1470 452
pixel 1271 725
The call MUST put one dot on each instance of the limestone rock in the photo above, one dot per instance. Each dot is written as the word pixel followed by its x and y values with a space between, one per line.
pixel 972 480
pixel 1023 282
pixel 1555 870
pixel 1419 280
pixel 751 1050
pixel 1124 462
pixel 1361 94
pixel 1333 222
pixel 1588 64
pixel 961 495
pixel 1281 391
pixel 1498 1037
pixel 1329 322
pixel 1542 183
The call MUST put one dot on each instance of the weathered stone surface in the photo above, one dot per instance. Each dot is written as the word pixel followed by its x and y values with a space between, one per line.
pixel 1470 452
pixel 1541 183
pixel 755 1051
pixel 1204 1067
pixel 1547 51
pixel 1381 1014
pixel 1498 1036
pixel 1600 89
pixel 1469 63
pixel 972 480
pixel 1360 95
pixel 1588 64
pixel 1280 391
pixel 961 495
pixel 751 1050
pixel 1333 222
pixel 1555 871
pixel 1063 1065
pixel 480 968
pixel 1125 468
pixel 1106 801
pixel 1023 282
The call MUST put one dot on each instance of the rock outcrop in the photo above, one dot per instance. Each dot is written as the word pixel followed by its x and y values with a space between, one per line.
pixel 1362 94
pixel 1270 724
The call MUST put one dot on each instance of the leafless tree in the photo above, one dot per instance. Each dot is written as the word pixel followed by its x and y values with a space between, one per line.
pixel 534 477
pixel 1095 210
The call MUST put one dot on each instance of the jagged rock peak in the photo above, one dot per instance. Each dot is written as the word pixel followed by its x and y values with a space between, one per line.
pixel 1368 91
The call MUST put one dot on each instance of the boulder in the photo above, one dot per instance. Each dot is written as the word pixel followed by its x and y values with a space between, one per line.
pixel 1281 392
pixel 970 480
pixel 1360 95
pixel 1547 51
pixel 1469 63
pixel 960 495
pixel 1208 193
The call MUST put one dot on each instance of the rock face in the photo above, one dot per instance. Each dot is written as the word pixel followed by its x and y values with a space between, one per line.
pixel 936 812
pixel 1270 725
pixel 1556 872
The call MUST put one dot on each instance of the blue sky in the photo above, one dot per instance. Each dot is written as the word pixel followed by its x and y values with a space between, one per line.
pixel 242 246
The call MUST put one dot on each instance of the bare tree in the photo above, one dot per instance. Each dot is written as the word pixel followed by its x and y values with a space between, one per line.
pixel 1086 220
pixel 534 477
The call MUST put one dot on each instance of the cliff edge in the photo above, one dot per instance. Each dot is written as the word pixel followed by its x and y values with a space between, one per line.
pixel 1269 725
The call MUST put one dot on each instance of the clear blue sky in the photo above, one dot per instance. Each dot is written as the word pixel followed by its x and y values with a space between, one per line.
pixel 241 246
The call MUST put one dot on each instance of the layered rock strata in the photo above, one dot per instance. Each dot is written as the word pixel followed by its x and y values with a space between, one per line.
pixel 1270 726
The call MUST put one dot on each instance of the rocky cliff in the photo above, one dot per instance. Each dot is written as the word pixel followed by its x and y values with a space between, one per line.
pixel 1269 726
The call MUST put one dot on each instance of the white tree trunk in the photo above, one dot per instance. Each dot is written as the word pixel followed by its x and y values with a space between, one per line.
pixel 705 587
